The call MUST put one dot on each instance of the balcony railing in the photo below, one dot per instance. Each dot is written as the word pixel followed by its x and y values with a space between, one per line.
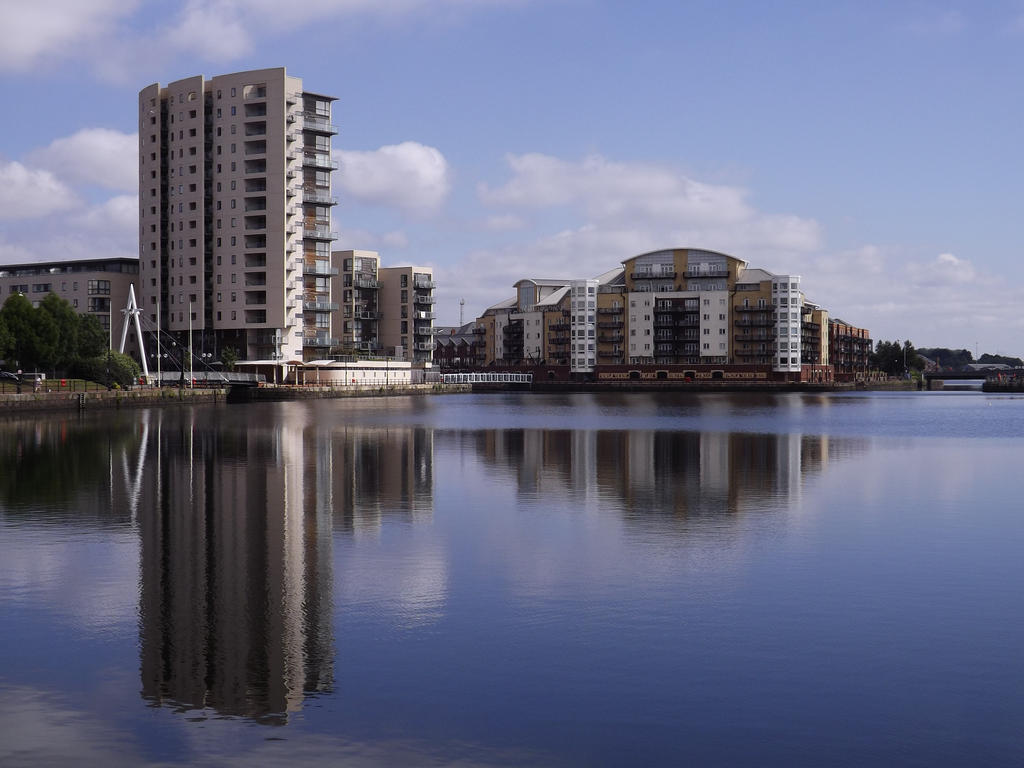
pixel 364 282
pixel 319 341
pixel 318 197
pixel 418 298
pixel 311 122
pixel 319 306
pixel 424 284
pixel 423 315
pixel 653 275
pixel 609 310
pixel 317 269
pixel 323 162
pixel 712 272
pixel 319 233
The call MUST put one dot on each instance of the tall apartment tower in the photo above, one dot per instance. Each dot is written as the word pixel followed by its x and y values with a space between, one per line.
pixel 235 214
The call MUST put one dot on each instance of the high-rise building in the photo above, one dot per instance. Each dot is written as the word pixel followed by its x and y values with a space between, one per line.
pixel 235 214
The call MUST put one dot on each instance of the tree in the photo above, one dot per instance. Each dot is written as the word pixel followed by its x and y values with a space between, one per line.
pixel 229 356
pixel 1013 362
pixel 954 359
pixel 92 339
pixel 891 357
pixel 33 334
pixel 67 324
pixel 6 340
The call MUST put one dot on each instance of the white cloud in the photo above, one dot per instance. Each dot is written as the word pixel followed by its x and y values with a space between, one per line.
pixel 504 222
pixel 99 156
pixel 620 210
pixel 616 195
pixel 118 217
pixel 30 193
pixel 409 176
pixel 365 240
pixel 32 34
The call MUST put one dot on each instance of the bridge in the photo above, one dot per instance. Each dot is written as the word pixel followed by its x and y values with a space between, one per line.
pixel 487 378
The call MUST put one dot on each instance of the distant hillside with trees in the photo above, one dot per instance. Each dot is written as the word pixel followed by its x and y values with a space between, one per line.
pixel 956 359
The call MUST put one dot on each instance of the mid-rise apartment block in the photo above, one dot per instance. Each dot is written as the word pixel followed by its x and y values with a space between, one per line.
pixel 235 214
pixel 683 307
pixel 97 287
pixel 407 320
pixel 383 310
pixel 357 289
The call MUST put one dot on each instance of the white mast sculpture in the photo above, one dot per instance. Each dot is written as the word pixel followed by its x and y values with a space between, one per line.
pixel 131 312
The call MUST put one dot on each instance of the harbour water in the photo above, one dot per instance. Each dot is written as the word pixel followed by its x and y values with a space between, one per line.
pixel 517 579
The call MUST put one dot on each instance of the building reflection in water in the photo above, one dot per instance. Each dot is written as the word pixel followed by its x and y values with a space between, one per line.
pixel 388 474
pixel 235 593
pixel 650 472
pixel 236 523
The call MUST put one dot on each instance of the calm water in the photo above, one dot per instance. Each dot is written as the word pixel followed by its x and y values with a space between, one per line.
pixel 517 580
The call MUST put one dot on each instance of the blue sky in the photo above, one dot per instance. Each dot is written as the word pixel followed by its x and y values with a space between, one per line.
pixel 872 147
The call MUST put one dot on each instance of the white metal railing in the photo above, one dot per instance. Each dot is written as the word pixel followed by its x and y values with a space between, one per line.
pixel 487 378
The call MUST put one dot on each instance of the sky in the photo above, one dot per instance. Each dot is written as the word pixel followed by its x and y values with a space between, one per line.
pixel 871 147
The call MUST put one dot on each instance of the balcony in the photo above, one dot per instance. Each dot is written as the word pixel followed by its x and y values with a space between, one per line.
pixel 479 331
pixel 320 161
pixel 558 340
pixel 653 275
pixel 426 285
pixel 312 122
pixel 423 346
pixel 610 324
pixel 319 233
pixel 559 326
pixel 610 353
pixel 708 272
pixel 423 315
pixel 361 281
pixel 614 338
pixel 419 298
pixel 319 306
pixel 318 197
pixel 609 310
pixel 423 330
pixel 319 341
pixel 367 314
pixel 319 270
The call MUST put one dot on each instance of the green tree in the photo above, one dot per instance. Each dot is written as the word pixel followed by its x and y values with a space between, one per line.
pixel 34 334
pixel 6 341
pixel 891 356
pixel 92 339
pixel 229 356
pixel 67 323
pixel 1013 362
pixel 945 358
